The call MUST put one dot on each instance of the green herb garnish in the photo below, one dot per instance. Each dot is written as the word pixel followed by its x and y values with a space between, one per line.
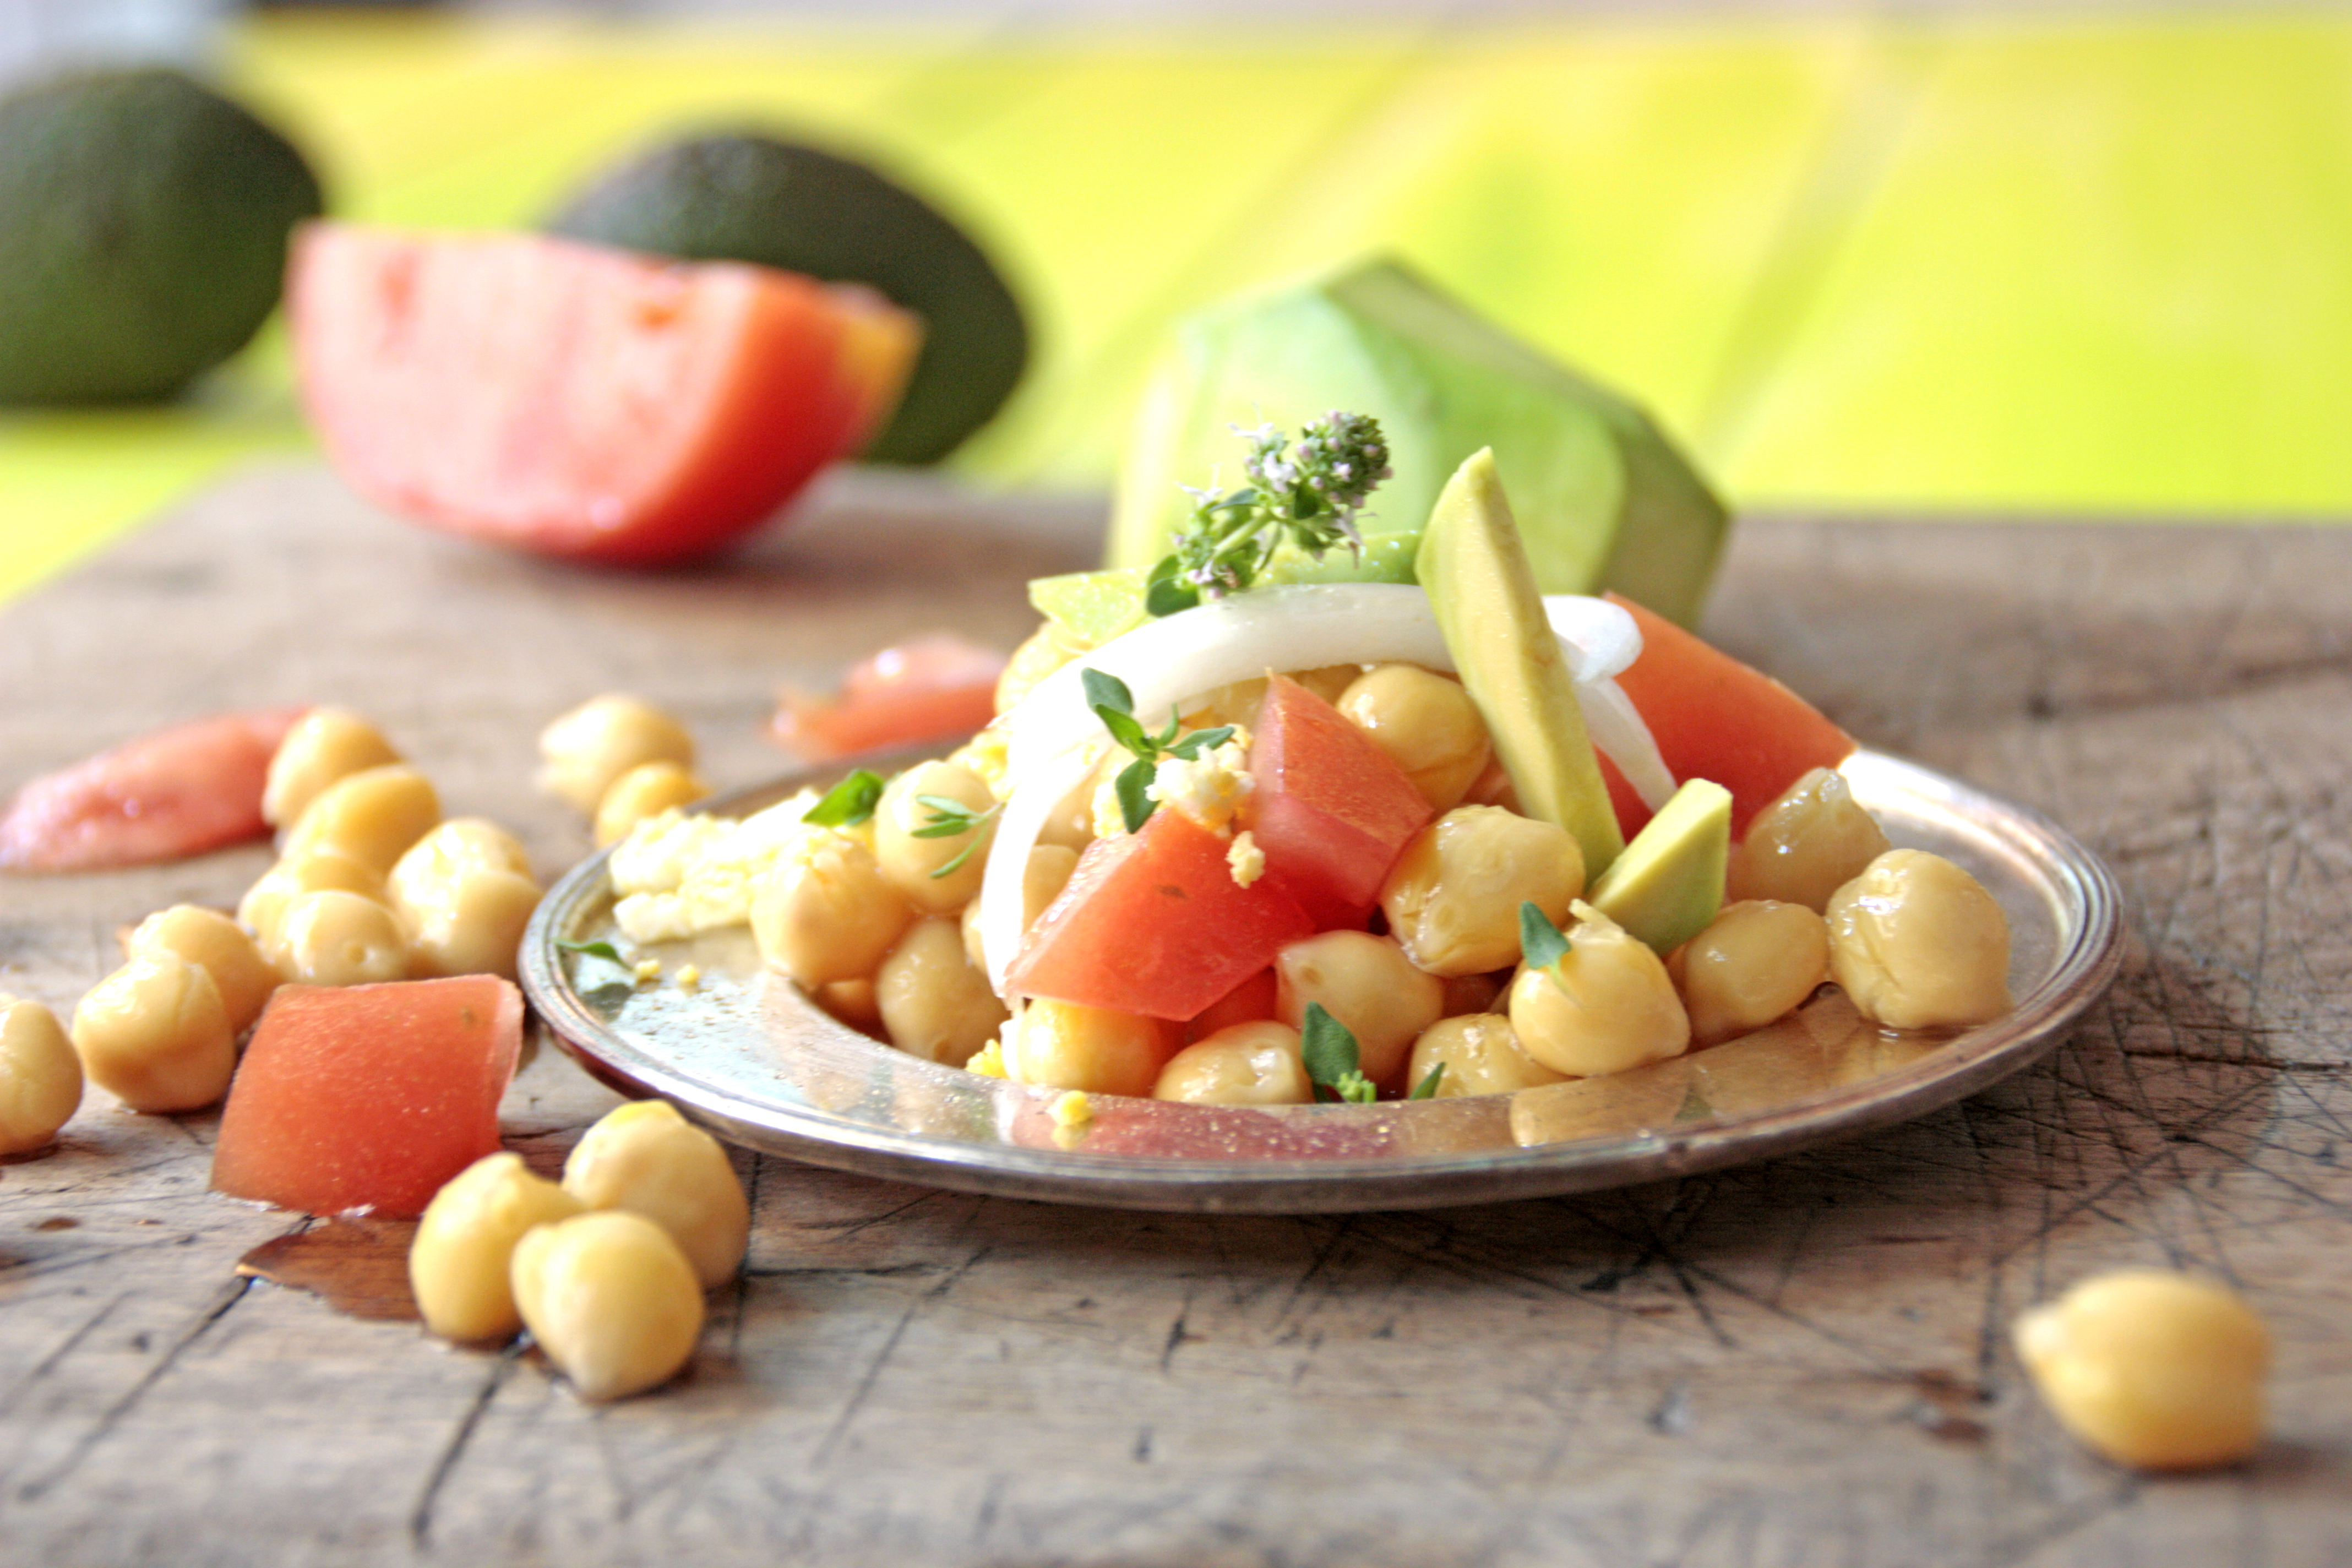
pixel 849 803
pixel 1114 704
pixel 949 817
pixel 1333 1061
pixel 1541 941
pixel 604 950
pixel 1427 1087
pixel 1307 495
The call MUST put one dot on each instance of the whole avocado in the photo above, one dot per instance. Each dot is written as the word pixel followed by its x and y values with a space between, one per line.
pixel 144 222
pixel 747 197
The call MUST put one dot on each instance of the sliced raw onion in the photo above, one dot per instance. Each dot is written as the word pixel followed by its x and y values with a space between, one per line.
pixel 1619 735
pixel 1034 796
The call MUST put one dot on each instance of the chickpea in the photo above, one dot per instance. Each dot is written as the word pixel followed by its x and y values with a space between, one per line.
pixel 460 844
pixel 460 1265
pixel 40 1077
pixel 1492 787
pixel 1806 844
pixel 156 1034
pixel 473 927
pixel 1329 681
pixel 935 1002
pixel 1248 1064
pixel 1045 651
pixel 1917 943
pixel 824 912
pixel 1453 898
pixel 1606 1006
pixel 263 910
pixel 646 790
pixel 2151 1368
pixel 1756 961
pixel 1473 994
pixel 1071 823
pixel 913 865
pixel 1236 703
pixel 647 1159
pixel 325 744
pixel 1366 983
pixel 207 937
pixel 371 816
pixel 1427 723
pixel 1061 1045
pixel 1042 881
pixel 583 751
pixel 334 938
pixel 611 1300
pixel 854 1002
pixel 1481 1054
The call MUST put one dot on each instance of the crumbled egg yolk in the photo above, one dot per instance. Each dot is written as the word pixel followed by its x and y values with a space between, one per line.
pixel 1246 860
pixel 648 970
pixel 989 1061
pixel 1073 1110
pixel 689 977
pixel 1210 788
pixel 679 875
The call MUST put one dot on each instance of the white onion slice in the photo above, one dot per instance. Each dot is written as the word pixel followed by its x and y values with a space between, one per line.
pixel 1034 796
pixel 1619 733
pixel 1602 640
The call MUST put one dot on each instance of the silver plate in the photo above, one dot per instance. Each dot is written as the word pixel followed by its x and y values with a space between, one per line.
pixel 746 1053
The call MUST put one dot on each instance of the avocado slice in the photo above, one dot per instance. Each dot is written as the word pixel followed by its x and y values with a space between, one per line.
pixel 1668 884
pixel 1092 608
pixel 1483 593
pixel 1604 499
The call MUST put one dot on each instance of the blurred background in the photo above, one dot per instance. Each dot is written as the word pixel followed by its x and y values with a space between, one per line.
pixel 2021 259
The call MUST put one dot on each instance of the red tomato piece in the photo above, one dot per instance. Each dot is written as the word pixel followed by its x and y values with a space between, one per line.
pixel 578 401
pixel 366 1098
pixel 1715 717
pixel 1153 922
pixel 1330 808
pixel 165 796
pixel 1250 1001
pixel 925 689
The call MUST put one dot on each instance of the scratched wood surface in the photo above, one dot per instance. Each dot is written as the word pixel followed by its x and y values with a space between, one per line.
pixel 1799 1363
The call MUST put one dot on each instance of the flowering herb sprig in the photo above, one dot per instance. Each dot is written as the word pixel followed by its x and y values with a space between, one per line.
pixel 1307 495
pixel 1114 704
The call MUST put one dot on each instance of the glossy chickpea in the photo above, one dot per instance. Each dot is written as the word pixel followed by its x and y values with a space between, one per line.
pixel 1916 942
pixel 40 1077
pixel 611 1300
pixel 459 845
pixel 583 751
pixel 371 816
pixel 2153 1369
pixel 473 925
pixel 917 866
pixel 206 937
pixel 824 911
pixel 646 790
pixel 1061 1045
pixel 1453 898
pixel 1247 1063
pixel 334 938
pixel 1806 844
pixel 1481 1054
pixel 935 1002
pixel 1329 681
pixel 263 910
pixel 1426 723
pixel 1756 961
pixel 460 1262
pixel 1607 1005
pixel 647 1159
pixel 1366 983
pixel 325 744
pixel 1044 651
pixel 154 1035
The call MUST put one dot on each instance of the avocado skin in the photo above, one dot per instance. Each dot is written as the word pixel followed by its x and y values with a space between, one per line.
pixel 143 221
pixel 747 197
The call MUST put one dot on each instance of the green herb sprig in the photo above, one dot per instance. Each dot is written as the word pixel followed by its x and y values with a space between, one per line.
pixel 1114 704
pixel 1335 1062
pixel 949 817
pixel 849 803
pixel 1307 495
pixel 1541 942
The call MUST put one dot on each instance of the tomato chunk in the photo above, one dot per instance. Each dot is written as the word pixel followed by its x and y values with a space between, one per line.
pixel 925 689
pixel 1715 717
pixel 578 401
pixel 165 796
pixel 1153 922
pixel 366 1098
pixel 1330 808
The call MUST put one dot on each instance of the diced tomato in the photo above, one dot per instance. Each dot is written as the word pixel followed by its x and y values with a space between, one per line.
pixel 925 689
pixel 1715 717
pixel 1153 922
pixel 1252 1000
pixel 366 1098
pixel 578 401
pixel 164 796
pixel 1330 808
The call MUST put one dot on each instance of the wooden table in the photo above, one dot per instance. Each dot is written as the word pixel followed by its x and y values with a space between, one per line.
pixel 1798 1362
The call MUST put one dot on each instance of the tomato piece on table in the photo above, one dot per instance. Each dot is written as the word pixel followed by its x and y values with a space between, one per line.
pixel 579 401
pixel 1715 717
pixel 925 689
pixel 167 796
pixel 1331 810
pixel 366 1098
pixel 1153 922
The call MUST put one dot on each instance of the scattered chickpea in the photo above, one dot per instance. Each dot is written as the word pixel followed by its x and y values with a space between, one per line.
pixel 474 927
pixel 371 816
pixel 1061 1045
pixel 1247 1063
pixel 935 1002
pixel 263 909
pixel 2151 1368
pixel 824 911
pixel 1366 983
pixel 1607 1006
pixel 1481 1054
pixel 40 1077
pixel 1806 844
pixel 335 938
pixel 647 1159
pixel 325 744
pixel 156 1034
pixel 611 1300
pixel 460 1263
pixel 1755 962
pixel 646 790
pixel 1426 723
pixel 459 845
pixel 244 977
pixel 583 751
pixel 913 865
pixel 1453 898
pixel 1916 942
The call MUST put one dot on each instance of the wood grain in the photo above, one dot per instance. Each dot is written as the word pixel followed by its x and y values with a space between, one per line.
pixel 1802 1362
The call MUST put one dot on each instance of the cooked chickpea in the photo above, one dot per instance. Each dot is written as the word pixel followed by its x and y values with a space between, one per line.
pixel 854 1002
pixel 244 977
pixel 1806 844
pixel 1427 723
pixel 935 1002
pixel 1453 898
pixel 1481 1054
pixel 460 1265
pixel 611 1300
pixel 646 790
pixel 1329 681
pixel 335 938
pixel 1043 879
pixel 1248 1064
pixel 1606 1006
pixel 1366 983
pixel 371 816
pixel 916 867
pixel 474 926
pixel 40 1077
pixel 1044 651
pixel 1061 1045
pixel 647 1159
pixel 156 1034
pixel 325 744
pixel 263 909
pixel 1916 942
pixel 2153 1369
pixel 1071 823
pixel 1755 962
pixel 824 911
pixel 583 751
pixel 461 844
pixel 1235 703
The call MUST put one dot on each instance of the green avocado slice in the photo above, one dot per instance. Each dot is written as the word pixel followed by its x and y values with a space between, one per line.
pixel 1668 884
